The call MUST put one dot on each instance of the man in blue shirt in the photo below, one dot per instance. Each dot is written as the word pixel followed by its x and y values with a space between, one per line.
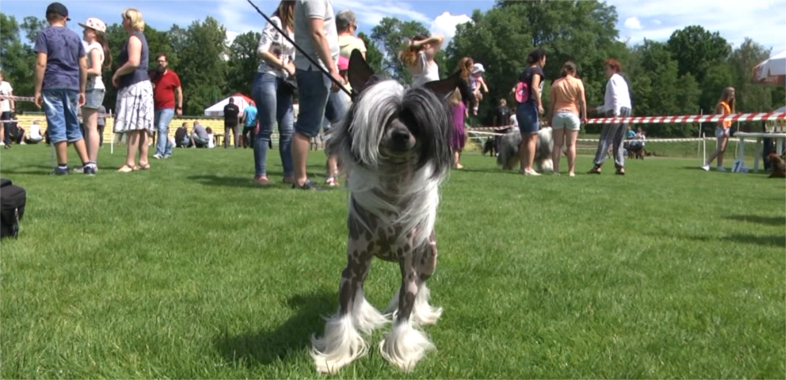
pixel 249 120
pixel 60 80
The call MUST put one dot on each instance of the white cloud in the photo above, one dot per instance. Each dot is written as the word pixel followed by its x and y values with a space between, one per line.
pixel 633 23
pixel 446 23
pixel 760 20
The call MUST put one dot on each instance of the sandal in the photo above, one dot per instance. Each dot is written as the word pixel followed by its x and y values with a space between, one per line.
pixel 143 167
pixel 125 169
pixel 620 171
pixel 595 170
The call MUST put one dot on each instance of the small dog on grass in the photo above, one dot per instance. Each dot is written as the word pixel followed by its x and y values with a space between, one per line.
pixel 777 164
pixel 489 147
pixel 394 141
pixel 511 144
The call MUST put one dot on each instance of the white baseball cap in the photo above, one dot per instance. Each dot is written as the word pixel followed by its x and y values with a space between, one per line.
pixel 95 24
pixel 478 68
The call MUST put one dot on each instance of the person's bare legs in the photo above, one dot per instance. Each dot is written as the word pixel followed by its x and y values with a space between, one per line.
pixel 556 153
pixel 144 163
pixel 300 146
pixel 61 150
pixel 332 166
pixel 81 150
pixel 90 117
pixel 527 151
pixel 570 143
pixel 132 139
pixel 719 151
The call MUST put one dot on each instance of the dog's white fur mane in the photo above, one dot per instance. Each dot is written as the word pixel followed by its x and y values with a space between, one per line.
pixel 407 198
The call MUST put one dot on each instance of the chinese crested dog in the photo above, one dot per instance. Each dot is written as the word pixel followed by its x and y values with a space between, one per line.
pixel 511 144
pixel 394 142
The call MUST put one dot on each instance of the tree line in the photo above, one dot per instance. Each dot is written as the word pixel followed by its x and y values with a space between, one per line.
pixel 684 75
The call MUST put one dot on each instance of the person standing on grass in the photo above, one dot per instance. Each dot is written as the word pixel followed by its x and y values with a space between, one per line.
pixel 528 93
pixel 166 84
pixel 315 32
pixel 135 112
pixel 273 92
pixel 567 111
pixel 60 81
pixel 725 106
pixel 616 104
pixel 7 104
pixel 249 121
pixel 98 59
pixel 231 121
pixel 458 136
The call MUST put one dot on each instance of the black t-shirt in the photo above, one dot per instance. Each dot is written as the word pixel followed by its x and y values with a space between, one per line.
pixel 180 134
pixel 502 114
pixel 231 112
pixel 526 77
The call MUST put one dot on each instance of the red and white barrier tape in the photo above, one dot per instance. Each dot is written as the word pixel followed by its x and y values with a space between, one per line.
pixel 690 118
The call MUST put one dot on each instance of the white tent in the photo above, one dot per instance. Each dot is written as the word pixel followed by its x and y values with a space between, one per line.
pixel 771 71
pixel 217 109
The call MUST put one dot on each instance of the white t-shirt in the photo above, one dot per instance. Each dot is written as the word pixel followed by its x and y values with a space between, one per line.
pixel 308 9
pixel 35 132
pixel 6 90
pixel 94 82
pixel 428 72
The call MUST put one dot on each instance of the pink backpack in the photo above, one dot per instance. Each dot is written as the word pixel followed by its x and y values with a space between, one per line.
pixel 522 92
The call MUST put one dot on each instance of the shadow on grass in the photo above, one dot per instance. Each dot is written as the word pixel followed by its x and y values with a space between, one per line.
pixel 220 180
pixel 267 346
pixel 769 220
pixel 772 240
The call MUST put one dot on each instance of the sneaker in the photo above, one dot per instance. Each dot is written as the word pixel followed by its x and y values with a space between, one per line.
pixel 531 173
pixel 571 174
pixel 157 156
pixel 60 171
pixel 706 167
pixel 331 182
pixel 721 169
pixel 167 156
pixel 308 185
pixel 90 170
pixel 79 169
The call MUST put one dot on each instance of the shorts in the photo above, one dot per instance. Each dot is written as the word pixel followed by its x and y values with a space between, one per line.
pixel 60 109
pixel 721 132
pixel 527 116
pixel 566 120
pixel 317 102
pixel 94 98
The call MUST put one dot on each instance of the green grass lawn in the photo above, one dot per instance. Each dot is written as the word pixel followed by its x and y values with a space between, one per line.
pixel 189 271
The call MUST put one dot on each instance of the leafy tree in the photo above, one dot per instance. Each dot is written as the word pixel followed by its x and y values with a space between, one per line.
pixel 696 50
pixel 201 66
pixel 243 62
pixel 18 61
pixel 373 55
pixel 31 25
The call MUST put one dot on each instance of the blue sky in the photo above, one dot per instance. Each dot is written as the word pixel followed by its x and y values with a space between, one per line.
pixel 762 20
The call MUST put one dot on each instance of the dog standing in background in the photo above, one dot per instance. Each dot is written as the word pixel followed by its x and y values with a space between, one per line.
pixel 510 145
pixel 394 141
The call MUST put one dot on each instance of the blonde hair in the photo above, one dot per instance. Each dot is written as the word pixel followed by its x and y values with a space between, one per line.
pixel 135 17
pixel 455 98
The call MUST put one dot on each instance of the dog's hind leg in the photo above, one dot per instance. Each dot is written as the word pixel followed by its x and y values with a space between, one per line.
pixel 342 342
pixel 405 345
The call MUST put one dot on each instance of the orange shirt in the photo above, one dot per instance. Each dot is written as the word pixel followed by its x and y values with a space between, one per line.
pixel 726 111
pixel 567 92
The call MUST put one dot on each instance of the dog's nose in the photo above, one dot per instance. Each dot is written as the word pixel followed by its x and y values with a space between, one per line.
pixel 400 136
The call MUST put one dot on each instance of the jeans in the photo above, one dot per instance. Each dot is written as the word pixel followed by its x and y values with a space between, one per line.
pixel 527 116
pixel 60 109
pixel 274 104
pixel 162 119
pixel 313 91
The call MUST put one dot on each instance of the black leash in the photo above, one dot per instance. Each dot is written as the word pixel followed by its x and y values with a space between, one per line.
pixel 285 35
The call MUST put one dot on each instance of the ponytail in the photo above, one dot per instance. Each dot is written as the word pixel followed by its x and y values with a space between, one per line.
pixel 101 38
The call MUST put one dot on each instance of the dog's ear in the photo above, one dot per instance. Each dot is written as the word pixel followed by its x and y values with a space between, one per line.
pixel 360 73
pixel 444 87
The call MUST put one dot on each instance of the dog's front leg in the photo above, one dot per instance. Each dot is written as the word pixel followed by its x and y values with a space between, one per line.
pixel 405 345
pixel 342 342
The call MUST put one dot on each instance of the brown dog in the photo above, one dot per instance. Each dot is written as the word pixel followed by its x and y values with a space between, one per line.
pixel 777 164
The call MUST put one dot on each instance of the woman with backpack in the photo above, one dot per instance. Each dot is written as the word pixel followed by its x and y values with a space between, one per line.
pixel 528 94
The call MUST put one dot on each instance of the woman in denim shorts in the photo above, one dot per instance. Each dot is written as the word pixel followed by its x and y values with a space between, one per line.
pixel 98 59
pixel 528 110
